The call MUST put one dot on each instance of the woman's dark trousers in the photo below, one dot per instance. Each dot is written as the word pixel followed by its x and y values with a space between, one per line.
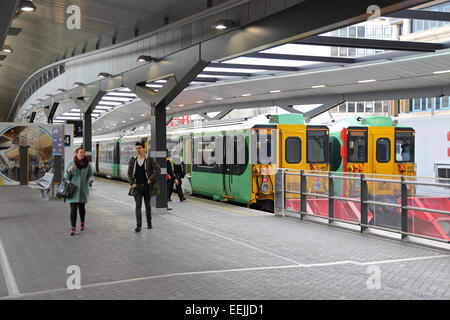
pixel 73 212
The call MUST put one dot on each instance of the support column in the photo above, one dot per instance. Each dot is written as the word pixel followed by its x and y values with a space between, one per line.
pixel 87 133
pixel 86 108
pixel 158 152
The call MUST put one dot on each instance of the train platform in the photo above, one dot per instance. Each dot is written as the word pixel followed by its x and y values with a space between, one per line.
pixel 202 249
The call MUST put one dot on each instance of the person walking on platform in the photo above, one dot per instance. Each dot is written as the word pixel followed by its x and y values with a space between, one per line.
pixel 143 174
pixel 177 174
pixel 80 173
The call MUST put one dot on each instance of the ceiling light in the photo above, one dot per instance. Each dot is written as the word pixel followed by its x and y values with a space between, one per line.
pixel 114 124
pixel 61 90
pixel 131 118
pixel 318 86
pixel 200 101
pixel 7 49
pixel 123 121
pixel 275 91
pixel 246 95
pixel 27 6
pixel 78 84
pixel 367 81
pixel 223 24
pixel 145 58
pixel 104 75
pixel 181 105
pixel 440 72
pixel 143 115
pixel 218 99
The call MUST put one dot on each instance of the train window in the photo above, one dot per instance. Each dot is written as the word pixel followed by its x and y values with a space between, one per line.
pixel 357 146
pixel 404 146
pixel 239 146
pixel 444 174
pixel 317 146
pixel 293 153
pixel 264 147
pixel 383 150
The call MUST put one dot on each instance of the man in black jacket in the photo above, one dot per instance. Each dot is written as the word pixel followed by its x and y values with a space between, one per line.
pixel 177 173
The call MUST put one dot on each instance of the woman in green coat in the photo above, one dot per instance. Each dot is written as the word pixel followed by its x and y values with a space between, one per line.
pixel 79 172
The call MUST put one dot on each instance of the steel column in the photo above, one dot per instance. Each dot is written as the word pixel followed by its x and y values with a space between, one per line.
pixel 364 196
pixel 330 197
pixel 158 149
pixel 302 193
pixel 404 204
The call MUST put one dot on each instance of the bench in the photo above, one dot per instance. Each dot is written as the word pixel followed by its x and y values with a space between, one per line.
pixel 44 184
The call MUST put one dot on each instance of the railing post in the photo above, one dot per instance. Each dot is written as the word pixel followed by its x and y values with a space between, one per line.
pixel 364 207
pixel 404 210
pixel 302 193
pixel 283 183
pixel 330 197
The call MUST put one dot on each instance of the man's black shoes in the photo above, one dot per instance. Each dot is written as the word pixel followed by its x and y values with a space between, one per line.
pixel 138 229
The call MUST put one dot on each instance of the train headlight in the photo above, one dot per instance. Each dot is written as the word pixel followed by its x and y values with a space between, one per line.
pixel 265 187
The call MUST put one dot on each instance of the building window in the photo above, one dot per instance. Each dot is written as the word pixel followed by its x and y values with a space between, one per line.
pixel 369 32
pixel 361 52
pixel 437 103
pixel 351 52
pixel 370 52
pixel 361 32
pixel 379 32
pixel 352 32
pixel 334 51
pixel 342 52
pixel 416 104
pixel 360 107
pixel 335 33
pixel 443 174
pixel 423 104
pixel 445 103
pixel 343 32
pixel 369 106
pixel 351 107
pixel 388 32
pixel 386 106
pixel 378 107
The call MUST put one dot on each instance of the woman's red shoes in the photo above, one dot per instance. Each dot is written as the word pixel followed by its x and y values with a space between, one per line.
pixel 72 231
pixel 81 226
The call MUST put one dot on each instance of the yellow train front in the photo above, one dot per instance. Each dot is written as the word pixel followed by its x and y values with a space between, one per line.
pixel 377 147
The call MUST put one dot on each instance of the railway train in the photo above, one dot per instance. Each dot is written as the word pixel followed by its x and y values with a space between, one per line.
pixel 282 139
pixel 370 145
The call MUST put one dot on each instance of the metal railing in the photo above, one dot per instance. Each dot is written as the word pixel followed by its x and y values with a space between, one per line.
pixel 405 184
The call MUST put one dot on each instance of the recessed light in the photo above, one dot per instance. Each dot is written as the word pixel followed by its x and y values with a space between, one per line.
pixel 318 86
pixel 181 105
pixel 7 49
pixel 131 118
pixel 104 75
pixel 145 58
pixel 167 108
pixel 27 6
pixel 367 81
pixel 223 24
pixel 200 101
pixel 275 91
pixel 143 115
pixel 123 121
pixel 218 99
pixel 246 95
pixel 440 72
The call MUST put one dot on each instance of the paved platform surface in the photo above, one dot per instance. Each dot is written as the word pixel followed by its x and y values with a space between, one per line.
pixel 202 250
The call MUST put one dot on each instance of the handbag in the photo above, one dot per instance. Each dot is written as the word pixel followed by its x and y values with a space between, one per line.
pixel 65 190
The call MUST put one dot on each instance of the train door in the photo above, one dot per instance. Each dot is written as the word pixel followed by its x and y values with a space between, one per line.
pixel 292 146
pixel 383 150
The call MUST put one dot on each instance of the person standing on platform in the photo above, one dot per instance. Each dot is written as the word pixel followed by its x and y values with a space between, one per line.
pixel 178 174
pixel 79 172
pixel 143 174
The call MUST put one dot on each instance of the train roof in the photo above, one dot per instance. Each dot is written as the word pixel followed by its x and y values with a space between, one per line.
pixel 378 121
